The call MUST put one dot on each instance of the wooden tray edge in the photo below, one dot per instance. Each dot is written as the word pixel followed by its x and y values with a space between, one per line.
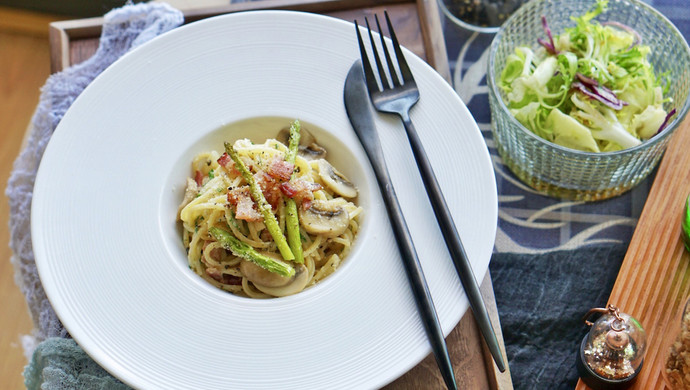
pixel 62 33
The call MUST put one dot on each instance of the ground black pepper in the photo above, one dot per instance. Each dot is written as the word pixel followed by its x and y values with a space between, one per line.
pixel 482 13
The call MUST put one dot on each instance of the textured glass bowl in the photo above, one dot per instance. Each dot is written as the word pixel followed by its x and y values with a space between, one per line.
pixel 571 174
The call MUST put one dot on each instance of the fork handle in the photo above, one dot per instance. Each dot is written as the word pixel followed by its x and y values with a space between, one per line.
pixel 413 269
pixel 453 242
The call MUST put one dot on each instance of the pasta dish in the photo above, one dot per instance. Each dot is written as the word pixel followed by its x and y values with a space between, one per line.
pixel 267 220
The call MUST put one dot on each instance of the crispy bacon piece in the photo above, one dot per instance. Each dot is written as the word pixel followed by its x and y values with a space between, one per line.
pixel 289 189
pixel 270 188
pixel 280 169
pixel 266 235
pixel 306 203
pixel 221 277
pixel 217 273
pixel 301 191
pixel 215 254
pixel 244 205
pixel 199 178
pixel 224 160
pixel 236 194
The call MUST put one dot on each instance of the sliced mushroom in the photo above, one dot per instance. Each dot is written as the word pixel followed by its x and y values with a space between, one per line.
pixel 259 275
pixel 308 148
pixel 312 151
pixel 324 217
pixel 335 180
pixel 294 284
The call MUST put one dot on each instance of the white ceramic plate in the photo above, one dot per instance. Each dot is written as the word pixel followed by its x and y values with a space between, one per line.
pixel 108 248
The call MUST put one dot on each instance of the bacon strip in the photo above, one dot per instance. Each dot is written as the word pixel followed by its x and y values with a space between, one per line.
pixel 221 277
pixel 301 191
pixel 244 205
pixel 280 169
pixel 199 178
pixel 270 188
pixel 224 160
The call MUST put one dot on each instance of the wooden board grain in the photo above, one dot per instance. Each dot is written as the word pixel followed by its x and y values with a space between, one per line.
pixel 418 27
pixel 654 280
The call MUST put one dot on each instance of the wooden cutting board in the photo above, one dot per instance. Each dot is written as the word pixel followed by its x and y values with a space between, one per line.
pixel 654 280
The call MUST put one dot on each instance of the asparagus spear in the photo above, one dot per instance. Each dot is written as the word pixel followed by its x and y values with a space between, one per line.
pixel 292 220
pixel 269 219
pixel 245 251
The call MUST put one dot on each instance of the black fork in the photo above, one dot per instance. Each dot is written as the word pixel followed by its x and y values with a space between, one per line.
pixel 398 96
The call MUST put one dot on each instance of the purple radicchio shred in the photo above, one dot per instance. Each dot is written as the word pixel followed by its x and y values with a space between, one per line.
pixel 625 27
pixel 549 45
pixel 666 120
pixel 591 87
pixel 586 80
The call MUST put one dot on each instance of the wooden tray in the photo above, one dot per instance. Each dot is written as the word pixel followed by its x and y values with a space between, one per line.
pixel 417 24
pixel 654 280
pixel 418 27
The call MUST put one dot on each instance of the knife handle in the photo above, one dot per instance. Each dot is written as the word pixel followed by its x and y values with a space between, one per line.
pixel 454 244
pixel 414 272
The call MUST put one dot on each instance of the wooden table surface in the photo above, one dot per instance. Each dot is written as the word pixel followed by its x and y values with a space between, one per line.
pixel 418 28
pixel 24 67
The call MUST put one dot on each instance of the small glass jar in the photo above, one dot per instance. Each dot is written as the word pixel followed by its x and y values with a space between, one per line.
pixel 612 353
pixel 677 364
pixel 485 16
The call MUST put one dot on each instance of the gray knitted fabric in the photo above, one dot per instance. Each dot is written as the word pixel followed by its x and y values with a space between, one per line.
pixel 59 364
pixel 124 28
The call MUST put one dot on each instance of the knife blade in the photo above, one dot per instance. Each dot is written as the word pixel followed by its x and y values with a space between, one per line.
pixel 361 117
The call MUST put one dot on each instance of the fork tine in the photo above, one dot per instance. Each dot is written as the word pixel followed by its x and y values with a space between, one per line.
pixel 402 63
pixel 382 73
pixel 389 60
pixel 372 85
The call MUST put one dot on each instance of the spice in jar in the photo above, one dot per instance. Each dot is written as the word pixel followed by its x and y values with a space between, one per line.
pixel 482 13
pixel 612 353
pixel 678 361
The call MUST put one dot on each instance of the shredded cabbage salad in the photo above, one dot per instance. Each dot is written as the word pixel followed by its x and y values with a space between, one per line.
pixel 590 88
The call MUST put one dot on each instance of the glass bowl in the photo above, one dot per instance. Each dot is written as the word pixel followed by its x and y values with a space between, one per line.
pixel 567 173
